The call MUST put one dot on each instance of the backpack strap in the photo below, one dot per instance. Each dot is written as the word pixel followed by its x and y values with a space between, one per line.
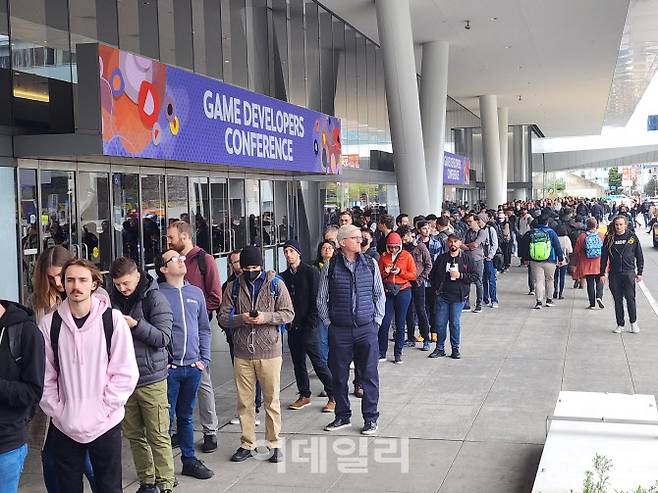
pixel 55 328
pixel 201 260
pixel 108 329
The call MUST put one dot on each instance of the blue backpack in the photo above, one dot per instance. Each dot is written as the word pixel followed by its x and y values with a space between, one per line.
pixel 274 291
pixel 593 245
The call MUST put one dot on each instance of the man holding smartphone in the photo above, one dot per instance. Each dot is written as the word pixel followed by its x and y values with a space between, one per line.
pixel 451 279
pixel 254 306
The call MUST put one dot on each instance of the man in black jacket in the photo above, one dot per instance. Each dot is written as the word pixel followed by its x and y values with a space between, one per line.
pixel 302 281
pixel 623 252
pixel 451 278
pixel 22 367
pixel 146 425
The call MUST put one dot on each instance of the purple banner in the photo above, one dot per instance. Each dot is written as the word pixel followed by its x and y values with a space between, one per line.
pixel 456 169
pixel 153 110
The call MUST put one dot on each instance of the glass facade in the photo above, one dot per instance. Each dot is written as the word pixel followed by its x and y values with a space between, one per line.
pixel 293 50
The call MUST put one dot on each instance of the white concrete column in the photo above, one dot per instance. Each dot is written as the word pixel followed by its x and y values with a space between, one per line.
pixel 503 124
pixel 395 36
pixel 433 100
pixel 491 151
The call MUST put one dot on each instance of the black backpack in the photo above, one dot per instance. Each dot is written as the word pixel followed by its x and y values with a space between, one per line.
pixel 14 335
pixel 201 259
pixel 56 326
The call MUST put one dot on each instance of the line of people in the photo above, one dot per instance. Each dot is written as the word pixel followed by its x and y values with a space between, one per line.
pixel 137 360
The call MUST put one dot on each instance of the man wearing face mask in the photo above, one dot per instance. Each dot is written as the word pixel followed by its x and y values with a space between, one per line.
pixel 254 306
pixel 451 278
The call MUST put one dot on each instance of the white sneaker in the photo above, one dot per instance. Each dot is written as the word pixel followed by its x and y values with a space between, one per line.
pixel 617 330
pixel 352 365
pixel 235 421
pixel 381 360
pixel 257 420
pixel 494 304
pixel 635 328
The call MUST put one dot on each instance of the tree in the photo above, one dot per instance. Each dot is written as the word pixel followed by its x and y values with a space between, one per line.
pixel 651 188
pixel 614 178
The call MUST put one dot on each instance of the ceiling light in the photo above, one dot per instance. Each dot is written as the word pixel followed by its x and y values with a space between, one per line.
pixel 507 47
pixel 493 19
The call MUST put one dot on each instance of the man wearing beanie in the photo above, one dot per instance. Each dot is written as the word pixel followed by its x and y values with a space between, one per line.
pixel 351 303
pixel 302 281
pixel 254 306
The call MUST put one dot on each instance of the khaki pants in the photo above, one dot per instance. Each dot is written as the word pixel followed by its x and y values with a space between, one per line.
pixel 268 373
pixel 146 426
pixel 542 274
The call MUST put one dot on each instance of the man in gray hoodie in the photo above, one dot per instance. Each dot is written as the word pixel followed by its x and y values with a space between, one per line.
pixel 189 353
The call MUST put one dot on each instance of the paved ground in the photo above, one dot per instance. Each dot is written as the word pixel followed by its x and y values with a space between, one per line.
pixel 473 425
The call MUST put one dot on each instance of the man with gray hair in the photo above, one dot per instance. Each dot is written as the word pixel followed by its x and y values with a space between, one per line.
pixel 353 283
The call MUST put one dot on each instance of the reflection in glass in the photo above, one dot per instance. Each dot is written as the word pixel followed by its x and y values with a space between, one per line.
pixel 177 204
pixel 268 222
pixel 280 78
pixel 153 217
pixel 200 209
pixel 58 222
pixel 312 55
pixel 29 226
pixel 221 232
pixel 297 93
pixel 252 203
pixel 94 207
pixel 125 216
pixel 238 213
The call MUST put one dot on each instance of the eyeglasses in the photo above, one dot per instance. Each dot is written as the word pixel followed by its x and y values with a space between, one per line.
pixel 357 238
pixel 176 258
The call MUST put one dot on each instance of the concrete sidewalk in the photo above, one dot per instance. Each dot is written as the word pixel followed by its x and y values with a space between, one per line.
pixel 476 424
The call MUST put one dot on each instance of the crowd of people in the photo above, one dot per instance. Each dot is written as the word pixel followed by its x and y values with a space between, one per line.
pixel 84 366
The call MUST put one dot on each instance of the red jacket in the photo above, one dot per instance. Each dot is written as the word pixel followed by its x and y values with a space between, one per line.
pixel 210 284
pixel 406 265
pixel 586 266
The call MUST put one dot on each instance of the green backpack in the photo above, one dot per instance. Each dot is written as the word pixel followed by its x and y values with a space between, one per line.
pixel 540 245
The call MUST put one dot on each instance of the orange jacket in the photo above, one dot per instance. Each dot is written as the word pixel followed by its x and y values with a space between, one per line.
pixel 405 263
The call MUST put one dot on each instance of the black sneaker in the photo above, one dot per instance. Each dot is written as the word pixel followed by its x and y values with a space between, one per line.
pixel 549 303
pixel 277 456
pixel 209 443
pixel 437 353
pixel 477 309
pixel 555 295
pixel 148 488
pixel 241 455
pixel 174 441
pixel 370 428
pixel 197 469
pixel 599 302
pixel 538 305
pixel 455 354
pixel 338 424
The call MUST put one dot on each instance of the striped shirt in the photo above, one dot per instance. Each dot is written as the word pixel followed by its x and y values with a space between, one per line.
pixel 378 295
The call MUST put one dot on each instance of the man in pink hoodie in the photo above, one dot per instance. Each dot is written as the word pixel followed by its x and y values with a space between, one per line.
pixel 91 372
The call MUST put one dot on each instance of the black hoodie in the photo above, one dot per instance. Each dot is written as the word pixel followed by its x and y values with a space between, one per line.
pixel 21 382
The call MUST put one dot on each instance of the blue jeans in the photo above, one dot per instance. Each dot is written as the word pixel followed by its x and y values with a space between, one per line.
pixel 182 385
pixel 395 305
pixel 324 341
pixel 445 313
pixel 560 279
pixel 489 282
pixel 11 467
pixel 50 469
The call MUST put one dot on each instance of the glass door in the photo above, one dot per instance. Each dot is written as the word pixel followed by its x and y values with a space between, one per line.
pixel 268 224
pixel 125 216
pixel 29 228
pixel 93 201
pixel 282 221
pixel 240 223
pixel 57 210
pixel 154 229
pixel 200 212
